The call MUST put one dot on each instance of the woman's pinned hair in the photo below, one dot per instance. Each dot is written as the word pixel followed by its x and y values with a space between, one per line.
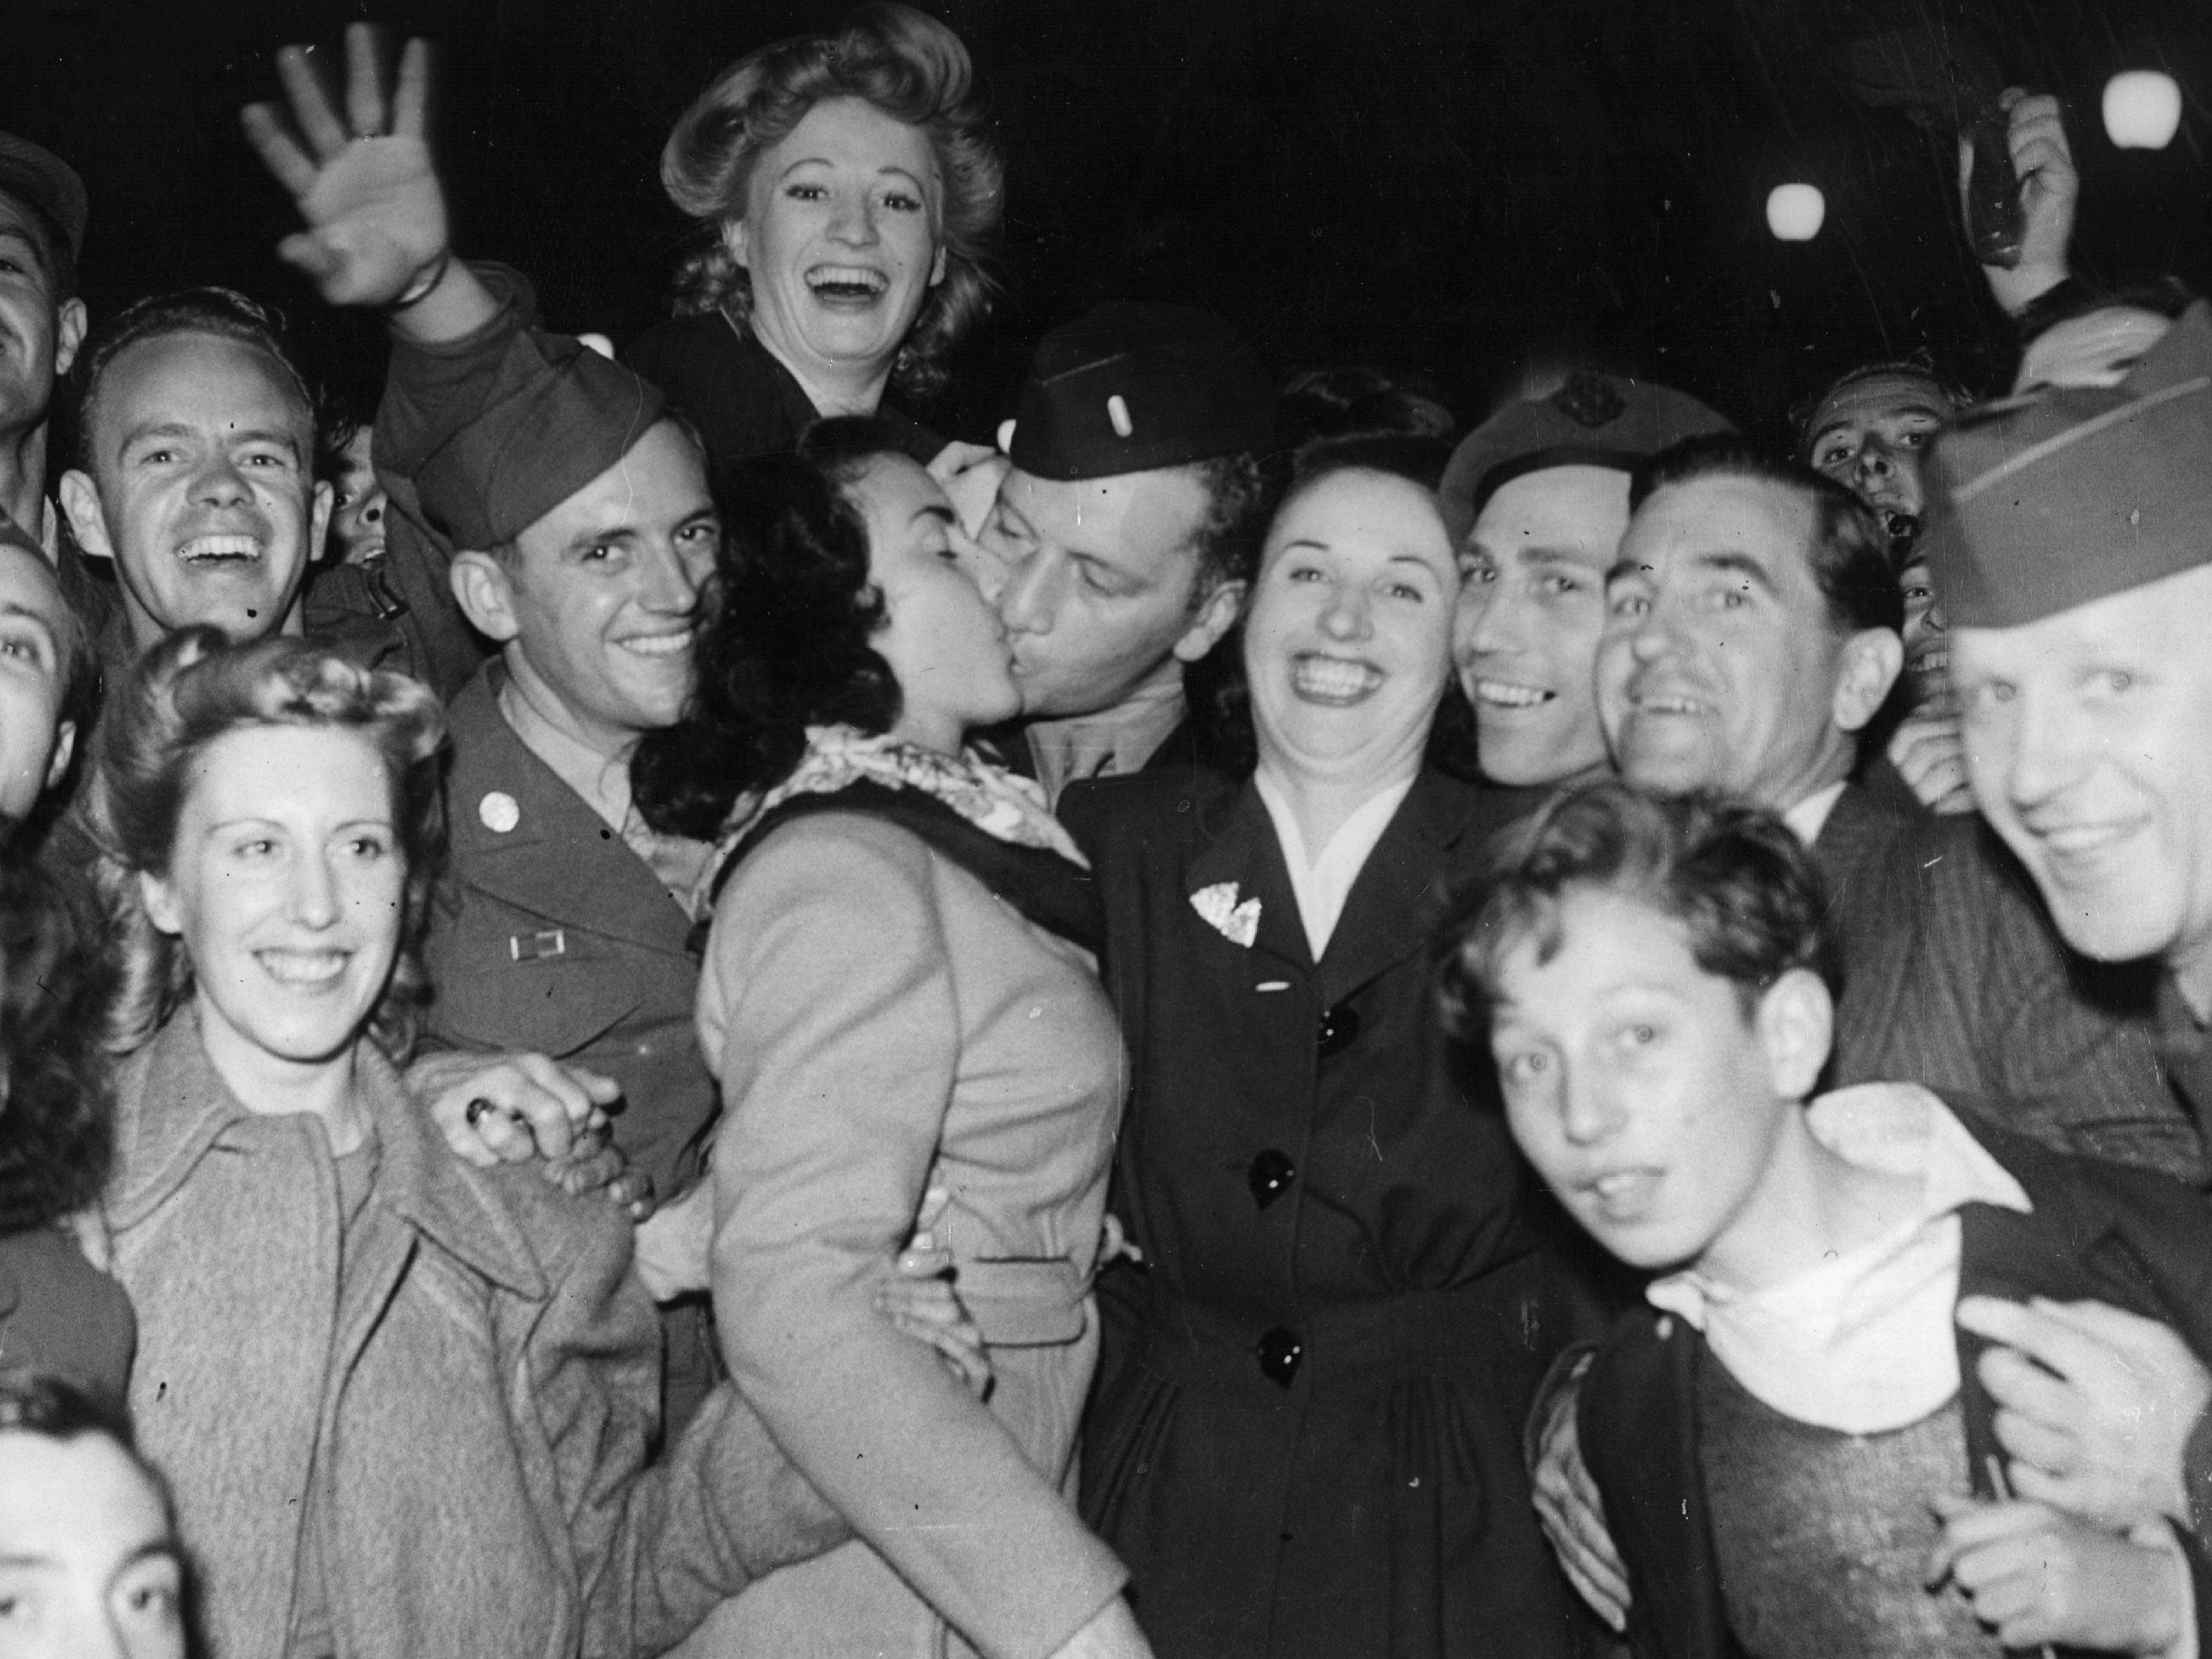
pixel 906 65
pixel 188 691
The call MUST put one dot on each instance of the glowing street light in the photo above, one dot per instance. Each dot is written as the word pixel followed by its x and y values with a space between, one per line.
pixel 2142 108
pixel 1793 212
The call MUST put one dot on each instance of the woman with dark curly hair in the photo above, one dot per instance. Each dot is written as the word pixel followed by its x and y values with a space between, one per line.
pixel 58 1314
pixel 897 992
pixel 405 1403
pixel 848 197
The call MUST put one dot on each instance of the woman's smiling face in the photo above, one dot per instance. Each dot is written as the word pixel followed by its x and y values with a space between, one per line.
pixel 287 885
pixel 841 236
pixel 1348 642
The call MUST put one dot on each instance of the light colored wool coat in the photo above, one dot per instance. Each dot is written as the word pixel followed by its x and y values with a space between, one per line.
pixel 472 1390
pixel 877 1015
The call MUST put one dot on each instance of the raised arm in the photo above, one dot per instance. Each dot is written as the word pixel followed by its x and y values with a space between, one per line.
pixel 369 192
pixel 2035 134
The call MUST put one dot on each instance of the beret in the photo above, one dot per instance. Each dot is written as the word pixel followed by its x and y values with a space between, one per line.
pixel 1594 420
pixel 2045 502
pixel 558 416
pixel 49 184
pixel 1130 387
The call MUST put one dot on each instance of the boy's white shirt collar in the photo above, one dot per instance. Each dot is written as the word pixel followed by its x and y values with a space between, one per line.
pixel 1863 1343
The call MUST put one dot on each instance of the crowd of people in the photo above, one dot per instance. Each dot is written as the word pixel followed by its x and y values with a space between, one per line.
pixel 644 1009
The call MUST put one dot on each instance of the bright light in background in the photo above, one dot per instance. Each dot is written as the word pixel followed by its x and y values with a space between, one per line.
pixel 1793 212
pixel 2142 108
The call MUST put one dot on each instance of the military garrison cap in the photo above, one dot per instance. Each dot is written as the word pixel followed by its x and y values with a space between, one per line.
pixel 47 183
pixel 558 415
pixel 1594 420
pixel 2045 502
pixel 1130 387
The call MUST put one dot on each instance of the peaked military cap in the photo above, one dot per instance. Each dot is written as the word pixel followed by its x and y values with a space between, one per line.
pixel 2045 502
pixel 1594 420
pixel 1130 387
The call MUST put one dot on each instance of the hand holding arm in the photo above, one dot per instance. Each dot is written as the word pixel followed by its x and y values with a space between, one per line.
pixel 1572 1512
pixel 2098 1424
pixel 2041 1577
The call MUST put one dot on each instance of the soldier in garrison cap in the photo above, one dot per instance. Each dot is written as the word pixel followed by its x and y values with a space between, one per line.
pixel 1537 500
pixel 2068 541
pixel 1128 524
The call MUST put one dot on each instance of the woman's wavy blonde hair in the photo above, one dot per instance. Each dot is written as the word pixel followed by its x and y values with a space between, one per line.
pixel 913 68
pixel 193 688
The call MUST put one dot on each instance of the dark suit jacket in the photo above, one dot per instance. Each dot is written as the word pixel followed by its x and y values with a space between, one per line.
pixel 1954 977
pixel 2098 1233
pixel 553 936
pixel 1306 1439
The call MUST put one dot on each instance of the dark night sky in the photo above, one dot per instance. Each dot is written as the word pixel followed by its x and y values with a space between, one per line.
pixel 1456 187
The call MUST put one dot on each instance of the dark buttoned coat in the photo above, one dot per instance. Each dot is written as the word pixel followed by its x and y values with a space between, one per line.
pixel 2096 1233
pixel 1305 1438
pixel 1954 977
pixel 550 934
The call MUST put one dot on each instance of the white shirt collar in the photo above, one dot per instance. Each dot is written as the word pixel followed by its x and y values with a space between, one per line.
pixel 1322 882
pixel 1862 1343
pixel 1810 816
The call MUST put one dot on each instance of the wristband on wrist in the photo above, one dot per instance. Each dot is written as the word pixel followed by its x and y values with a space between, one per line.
pixel 427 278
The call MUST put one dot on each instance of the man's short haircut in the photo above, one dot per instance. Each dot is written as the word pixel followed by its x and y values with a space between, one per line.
pixel 1241 492
pixel 1802 415
pixel 1850 551
pixel 53 247
pixel 1734 876
pixel 223 312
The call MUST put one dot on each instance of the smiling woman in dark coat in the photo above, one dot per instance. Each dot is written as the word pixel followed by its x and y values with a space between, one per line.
pixel 1305 1439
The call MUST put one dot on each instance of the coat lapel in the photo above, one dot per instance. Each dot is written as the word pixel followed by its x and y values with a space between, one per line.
pixel 1241 848
pixel 1399 889
pixel 559 860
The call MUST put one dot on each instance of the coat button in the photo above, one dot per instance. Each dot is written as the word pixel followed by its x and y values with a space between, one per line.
pixel 1337 1026
pixel 1270 1177
pixel 1281 1350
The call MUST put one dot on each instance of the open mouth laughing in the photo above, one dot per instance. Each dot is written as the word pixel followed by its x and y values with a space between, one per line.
pixel 1335 682
pixel 658 646
pixel 307 970
pixel 1508 694
pixel 215 551
pixel 847 285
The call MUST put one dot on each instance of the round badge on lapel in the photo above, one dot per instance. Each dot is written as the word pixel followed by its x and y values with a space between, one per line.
pixel 499 812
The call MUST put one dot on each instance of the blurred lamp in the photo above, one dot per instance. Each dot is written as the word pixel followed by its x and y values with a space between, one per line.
pixel 1793 212
pixel 2142 107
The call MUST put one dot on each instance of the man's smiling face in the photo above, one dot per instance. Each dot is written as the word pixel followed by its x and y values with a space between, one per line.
pixel 1530 614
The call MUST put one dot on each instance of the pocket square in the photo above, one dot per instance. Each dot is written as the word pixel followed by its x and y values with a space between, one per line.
pixel 1238 923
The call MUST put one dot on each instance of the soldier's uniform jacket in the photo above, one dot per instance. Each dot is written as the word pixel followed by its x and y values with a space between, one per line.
pixel 551 934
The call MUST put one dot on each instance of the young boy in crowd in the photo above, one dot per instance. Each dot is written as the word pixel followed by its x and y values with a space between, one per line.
pixel 1786 1439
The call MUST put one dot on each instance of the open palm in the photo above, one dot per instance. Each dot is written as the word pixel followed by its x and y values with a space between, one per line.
pixel 374 210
